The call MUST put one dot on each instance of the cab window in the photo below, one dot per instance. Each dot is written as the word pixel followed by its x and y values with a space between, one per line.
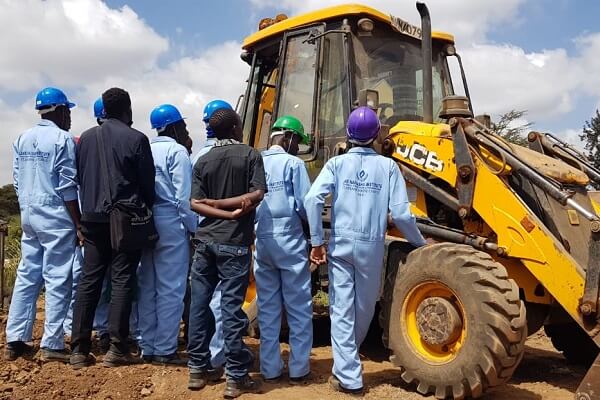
pixel 297 87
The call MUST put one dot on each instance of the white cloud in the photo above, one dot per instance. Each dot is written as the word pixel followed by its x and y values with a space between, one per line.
pixel 571 136
pixel 504 77
pixel 85 47
pixel 71 42
pixel 189 83
pixel 589 47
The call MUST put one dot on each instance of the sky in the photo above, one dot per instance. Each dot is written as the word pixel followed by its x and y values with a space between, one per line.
pixel 535 55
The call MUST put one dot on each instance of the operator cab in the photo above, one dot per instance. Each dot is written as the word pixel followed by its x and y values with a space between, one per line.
pixel 319 66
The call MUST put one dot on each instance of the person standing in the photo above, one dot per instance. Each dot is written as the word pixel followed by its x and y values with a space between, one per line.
pixel 227 184
pixel 217 342
pixel 129 160
pixel 45 180
pixel 78 258
pixel 163 273
pixel 357 243
pixel 281 265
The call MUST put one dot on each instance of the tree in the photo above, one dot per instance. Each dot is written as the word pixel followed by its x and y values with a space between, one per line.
pixel 507 127
pixel 9 204
pixel 591 138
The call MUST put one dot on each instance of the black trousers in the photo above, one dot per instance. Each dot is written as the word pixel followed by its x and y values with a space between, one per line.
pixel 99 257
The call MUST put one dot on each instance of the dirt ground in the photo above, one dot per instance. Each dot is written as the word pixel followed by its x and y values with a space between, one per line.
pixel 543 374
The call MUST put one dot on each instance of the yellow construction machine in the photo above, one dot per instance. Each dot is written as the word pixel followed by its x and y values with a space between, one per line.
pixel 518 237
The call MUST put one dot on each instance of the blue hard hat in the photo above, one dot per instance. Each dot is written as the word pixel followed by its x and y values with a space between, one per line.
pixel 164 115
pixel 213 106
pixel 49 97
pixel 99 109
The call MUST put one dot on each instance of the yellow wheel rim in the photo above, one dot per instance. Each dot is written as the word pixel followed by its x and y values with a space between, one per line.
pixel 433 354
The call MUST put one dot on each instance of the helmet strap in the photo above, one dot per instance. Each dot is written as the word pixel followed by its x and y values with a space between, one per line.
pixel 48 110
pixel 359 143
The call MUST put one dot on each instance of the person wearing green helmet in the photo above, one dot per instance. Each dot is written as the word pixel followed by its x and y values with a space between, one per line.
pixel 292 130
pixel 281 255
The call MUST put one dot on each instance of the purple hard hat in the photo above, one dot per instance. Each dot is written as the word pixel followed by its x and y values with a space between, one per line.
pixel 363 126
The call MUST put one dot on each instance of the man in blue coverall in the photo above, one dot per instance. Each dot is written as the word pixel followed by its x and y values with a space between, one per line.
pixel 45 179
pixel 281 259
pixel 163 273
pixel 365 187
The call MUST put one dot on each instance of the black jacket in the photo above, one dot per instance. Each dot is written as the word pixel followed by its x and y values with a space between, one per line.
pixel 130 164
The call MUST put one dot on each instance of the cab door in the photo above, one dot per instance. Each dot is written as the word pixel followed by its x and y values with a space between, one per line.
pixel 296 88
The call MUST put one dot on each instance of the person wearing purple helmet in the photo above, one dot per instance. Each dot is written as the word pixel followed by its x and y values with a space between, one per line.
pixel 356 246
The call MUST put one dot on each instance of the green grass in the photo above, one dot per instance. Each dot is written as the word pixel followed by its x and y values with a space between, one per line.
pixel 12 252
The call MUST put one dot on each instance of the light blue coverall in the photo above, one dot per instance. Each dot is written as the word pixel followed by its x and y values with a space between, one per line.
pixel 365 187
pixel 101 315
pixel 217 342
pixel 45 177
pixel 162 275
pixel 76 270
pixel 281 265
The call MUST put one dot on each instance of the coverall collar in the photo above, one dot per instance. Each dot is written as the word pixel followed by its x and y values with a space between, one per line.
pixel 47 122
pixel 209 142
pixel 276 149
pixel 159 139
pixel 362 150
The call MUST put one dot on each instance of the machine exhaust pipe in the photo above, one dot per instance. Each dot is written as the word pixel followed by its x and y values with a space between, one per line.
pixel 426 54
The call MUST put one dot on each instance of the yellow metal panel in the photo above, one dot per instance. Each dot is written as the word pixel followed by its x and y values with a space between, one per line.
pixel 323 15
pixel 444 152
pixel 421 128
pixel 525 280
pixel 573 217
pixel 595 197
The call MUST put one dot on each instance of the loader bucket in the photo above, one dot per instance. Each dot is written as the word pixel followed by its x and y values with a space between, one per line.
pixel 589 388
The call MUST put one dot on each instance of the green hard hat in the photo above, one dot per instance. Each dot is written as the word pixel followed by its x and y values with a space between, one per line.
pixel 289 123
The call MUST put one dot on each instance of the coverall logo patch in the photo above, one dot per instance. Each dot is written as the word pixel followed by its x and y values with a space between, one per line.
pixel 361 186
pixel 34 155
pixel 362 175
pixel 273 186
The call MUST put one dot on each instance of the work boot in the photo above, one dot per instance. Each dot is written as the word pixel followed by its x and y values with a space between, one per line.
pixel 104 343
pixel 336 385
pixel 274 380
pixel 134 347
pixel 49 355
pixel 215 374
pixel 171 359
pixel 17 349
pixel 198 380
pixel 300 380
pixel 112 359
pixel 80 360
pixel 236 388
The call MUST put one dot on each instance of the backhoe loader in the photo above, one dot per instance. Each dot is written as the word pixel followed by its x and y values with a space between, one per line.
pixel 518 236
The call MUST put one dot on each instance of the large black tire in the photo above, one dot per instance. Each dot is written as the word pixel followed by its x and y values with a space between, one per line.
pixel 492 315
pixel 573 343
